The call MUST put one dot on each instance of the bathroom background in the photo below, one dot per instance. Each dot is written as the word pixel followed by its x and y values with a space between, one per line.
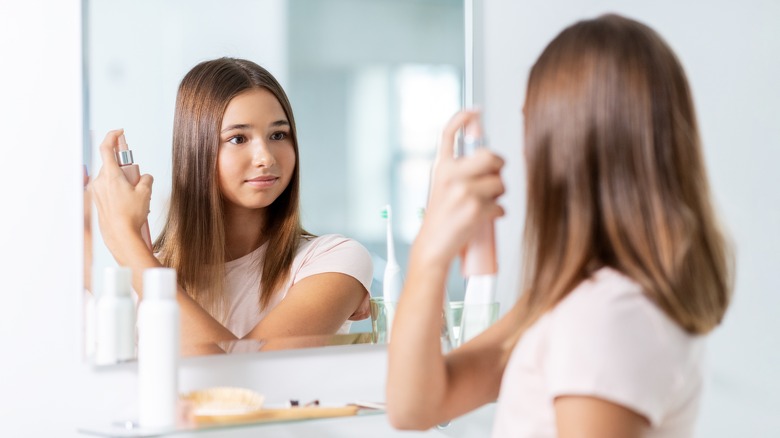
pixel 727 48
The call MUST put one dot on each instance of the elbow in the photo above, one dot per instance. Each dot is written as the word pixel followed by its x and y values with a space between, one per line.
pixel 407 417
pixel 402 421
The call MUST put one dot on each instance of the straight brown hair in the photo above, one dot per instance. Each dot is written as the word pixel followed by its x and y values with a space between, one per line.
pixel 193 238
pixel 616 176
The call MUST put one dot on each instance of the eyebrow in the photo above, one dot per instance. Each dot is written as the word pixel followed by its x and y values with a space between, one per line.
pixel 246 125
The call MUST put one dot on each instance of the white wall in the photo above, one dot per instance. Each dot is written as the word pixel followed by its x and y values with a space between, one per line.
pixel 40 125
pixel 730 51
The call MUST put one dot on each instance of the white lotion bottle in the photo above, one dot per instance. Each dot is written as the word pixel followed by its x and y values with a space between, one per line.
pixel 158 350
pixel 115 318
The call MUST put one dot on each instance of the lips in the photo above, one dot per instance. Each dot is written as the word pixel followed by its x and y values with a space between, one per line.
pixel 263 181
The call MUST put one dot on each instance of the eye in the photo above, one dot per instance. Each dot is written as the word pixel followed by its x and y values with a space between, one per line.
pixel 279 135
pixel 237 139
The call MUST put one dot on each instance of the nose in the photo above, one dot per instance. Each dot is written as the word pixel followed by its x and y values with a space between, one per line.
pixel 262 155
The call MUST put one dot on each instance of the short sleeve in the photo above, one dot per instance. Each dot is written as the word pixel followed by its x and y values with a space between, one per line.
pixel 611 342
pixel 335 253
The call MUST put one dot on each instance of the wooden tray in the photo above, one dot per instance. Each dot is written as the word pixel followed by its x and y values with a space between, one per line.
pixel 281 414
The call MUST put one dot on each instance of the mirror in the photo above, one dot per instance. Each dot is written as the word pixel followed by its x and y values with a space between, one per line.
pixel 371 82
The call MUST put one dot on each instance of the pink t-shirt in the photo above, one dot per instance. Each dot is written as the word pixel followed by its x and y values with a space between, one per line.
pixel 328 253
pixel 607 340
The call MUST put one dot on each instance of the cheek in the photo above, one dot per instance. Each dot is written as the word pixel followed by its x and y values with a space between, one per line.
pixel 225 169
pixel 288 161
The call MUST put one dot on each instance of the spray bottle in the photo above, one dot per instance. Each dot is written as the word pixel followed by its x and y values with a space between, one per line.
pixel 478 264
pixel 124 158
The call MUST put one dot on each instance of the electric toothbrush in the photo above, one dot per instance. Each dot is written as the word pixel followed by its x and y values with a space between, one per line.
pixel 479 265
pixel 124 157
pixel 392 283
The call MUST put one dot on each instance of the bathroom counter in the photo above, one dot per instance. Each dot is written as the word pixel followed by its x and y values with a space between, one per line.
pixel 373 422
pixel 337 375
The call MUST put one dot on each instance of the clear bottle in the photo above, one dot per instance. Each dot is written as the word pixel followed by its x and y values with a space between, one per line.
pixel 158 350
pixel 115 318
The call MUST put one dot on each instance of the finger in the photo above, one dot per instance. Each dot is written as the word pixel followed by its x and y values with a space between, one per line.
pixel 487 160
pixel 145 184
pixel 146 180
pixel 492 161
pixel 495 211
pixel 488 188
pixel 483 162
pixel 108 149
pixel 447 146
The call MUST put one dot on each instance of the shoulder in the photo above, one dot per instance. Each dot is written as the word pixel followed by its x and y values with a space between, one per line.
pixel 608 339
pixel 606 294
pixel 609 310
pixel 329 243
pixel 333 253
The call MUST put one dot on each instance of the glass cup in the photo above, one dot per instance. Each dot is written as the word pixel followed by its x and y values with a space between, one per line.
pixel 454 314
pixel 379 320
pixel 475 318
pixel 463 322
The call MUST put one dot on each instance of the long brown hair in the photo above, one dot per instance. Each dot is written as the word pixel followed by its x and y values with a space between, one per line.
pixel 616 175
pixel 193 238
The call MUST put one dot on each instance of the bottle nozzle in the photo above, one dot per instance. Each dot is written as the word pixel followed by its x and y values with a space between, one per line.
pixel 473 138
pixel 124 156
pixel 122 143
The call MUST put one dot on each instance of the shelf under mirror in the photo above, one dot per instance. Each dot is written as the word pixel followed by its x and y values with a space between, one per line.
pixel 244 346
pixel 268 416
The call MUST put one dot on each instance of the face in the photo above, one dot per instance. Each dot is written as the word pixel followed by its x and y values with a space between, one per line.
pixel 256 156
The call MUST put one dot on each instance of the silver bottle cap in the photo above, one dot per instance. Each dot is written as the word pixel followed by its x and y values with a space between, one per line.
pixel 468 144
pixel 124 158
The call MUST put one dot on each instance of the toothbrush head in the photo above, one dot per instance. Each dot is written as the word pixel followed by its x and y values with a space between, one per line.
pixel 386 212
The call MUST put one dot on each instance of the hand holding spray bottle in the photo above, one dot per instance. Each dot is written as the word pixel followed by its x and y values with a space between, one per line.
pixel 478 262
pixel 124 157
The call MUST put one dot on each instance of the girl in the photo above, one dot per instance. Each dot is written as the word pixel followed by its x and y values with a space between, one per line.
pixel 246 268
pixel 625 269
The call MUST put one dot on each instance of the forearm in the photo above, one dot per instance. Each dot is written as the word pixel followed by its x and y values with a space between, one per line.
pixel 424 387
pixel 417 374
pixel 316 305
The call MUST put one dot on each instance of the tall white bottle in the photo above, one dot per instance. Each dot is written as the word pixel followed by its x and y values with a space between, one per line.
pixel 115 318
pixel 158 350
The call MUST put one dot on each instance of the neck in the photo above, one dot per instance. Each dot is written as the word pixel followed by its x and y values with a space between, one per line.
pixel 243 231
